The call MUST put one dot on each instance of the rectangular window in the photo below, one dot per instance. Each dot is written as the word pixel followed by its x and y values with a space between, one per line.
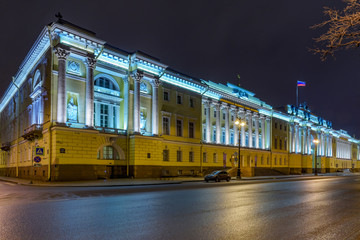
pixel 275 125
pixel 179 128
pixel 166 155
pixel 224 115
pixel 280 126
pixel 191 102
pixel 214 135
pixel 204 110
pixel 280 161
pixel 223 137
pixel 214 113
pixel 275 161
pixel 214 158
pixel 280 144
pixel 284 127
pixel 204 157
pixel 179 99
pixel 232 118
pixel 275 144
pixel 166 96
pixel 191 130
pixel 104 115
pixel 166 126
pixel 179 155
pixel 191 156
pixel 285 147
pixel 114 118
pixel 232 138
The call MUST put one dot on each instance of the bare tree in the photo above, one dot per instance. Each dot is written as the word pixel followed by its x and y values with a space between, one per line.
pixel 343 30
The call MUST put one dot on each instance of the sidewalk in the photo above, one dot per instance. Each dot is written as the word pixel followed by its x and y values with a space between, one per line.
pixel 141 182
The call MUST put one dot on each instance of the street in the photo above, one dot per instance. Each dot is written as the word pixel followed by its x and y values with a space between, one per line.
pixel 324 208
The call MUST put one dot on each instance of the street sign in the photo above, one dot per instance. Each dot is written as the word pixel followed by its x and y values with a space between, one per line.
pixel 39 151
pixel 37 159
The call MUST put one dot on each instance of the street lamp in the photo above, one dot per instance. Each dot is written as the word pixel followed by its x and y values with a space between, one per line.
pixel 316 142
pixel 240 123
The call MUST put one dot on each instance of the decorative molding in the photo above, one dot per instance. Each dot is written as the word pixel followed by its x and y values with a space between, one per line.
pixel 61 53
pixel 90 62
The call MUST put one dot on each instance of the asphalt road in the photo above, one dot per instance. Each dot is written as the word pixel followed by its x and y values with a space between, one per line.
pixel 307 209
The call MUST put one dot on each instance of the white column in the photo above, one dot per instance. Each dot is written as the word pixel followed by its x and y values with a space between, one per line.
pixel 208 122
pixel 268 133
pixel 249 116
pixel 243 118
pixel 42 109
pixel 126 102
pixel 296 138
pixel 263 132
pixel 62 54
pixel 304 140
pixel 117 117
pixel 89 92
pixel 227 129
pixel 331 149
pixel 309 140
pixel 256 119
pixel 291 128
pixel 137 78
pixel 97 115
pixel 111 116
pixel 155 113
pixel 235 127
pixel 218 126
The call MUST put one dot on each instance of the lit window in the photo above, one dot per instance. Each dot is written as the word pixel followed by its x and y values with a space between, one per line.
pixel 214 158
pixel 109 152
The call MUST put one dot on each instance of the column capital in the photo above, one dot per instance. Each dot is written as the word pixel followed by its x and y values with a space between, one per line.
pixel 137 76
pixel 268 119
pixel 255 115
pixel 248 113
pixel 206 102
pixel 224 106
pixel 155 82
pixel 62 53
pixel 233 108
pixel 215 104
pixel 90 62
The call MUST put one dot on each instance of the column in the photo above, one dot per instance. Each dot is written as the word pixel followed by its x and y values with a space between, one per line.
pixel 111 116
pixel 235 127
pixel 268 133
pixel 243 118
pixel 309 140
pixel 218 126
pixel 296 138
pixel 89 92
pixel 256 119
pixel 227 129
pixel 41 113
pixel 291 128
pixel 62 54
pixel 126 102
pixel 97 116
pixel 137 78
pixel 305 149
pixel 331 148
pixel 117 117
pixel 208 122
pixel 263 132
pixel 249 116
pixel 155 112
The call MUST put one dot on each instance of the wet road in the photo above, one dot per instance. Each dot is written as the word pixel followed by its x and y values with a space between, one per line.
pixel 309 209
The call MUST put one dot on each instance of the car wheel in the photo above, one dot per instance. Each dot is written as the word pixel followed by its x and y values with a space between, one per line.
pixel 228 179
pixel 217 179
pixel 207 180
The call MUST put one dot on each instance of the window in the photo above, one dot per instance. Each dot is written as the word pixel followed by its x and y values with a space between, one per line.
pixel 191 130
pixel 284 127
pixel 280 144
pixel 166 96
pixel 166 126
pixel 215 158
pixel 110 153
pixel 224 115
pixel 232 118
pixel 285 147
pixel 214 135
pixel 191 102
pixel 179 155
pixel 280 161
pixel 232 138
pixel 204 110
pixel 191 156
pixel 280 126
pixel 275 161
pixel 180 172
pixel 179 128
pixel 275 125
pixel 214 113
pixel 166 155
pixel 262 160
pixel 284 161
pixel 267 161
pixel 105 83
pixel 179 99
pixel 275 144
pixel 204 157
pixel 223 137
pixel 104 115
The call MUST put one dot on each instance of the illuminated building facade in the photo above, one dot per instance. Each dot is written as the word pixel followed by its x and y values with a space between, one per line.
pixel 79 108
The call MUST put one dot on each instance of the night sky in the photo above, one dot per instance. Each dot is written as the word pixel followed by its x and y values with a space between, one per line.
pixel 265 42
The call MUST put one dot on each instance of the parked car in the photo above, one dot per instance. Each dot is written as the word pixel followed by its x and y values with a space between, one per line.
pixel 217 176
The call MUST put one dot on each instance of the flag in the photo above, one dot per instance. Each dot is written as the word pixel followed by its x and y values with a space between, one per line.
pixel 301 84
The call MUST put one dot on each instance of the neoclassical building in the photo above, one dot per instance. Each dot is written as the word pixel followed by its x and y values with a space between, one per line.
pixel 79 108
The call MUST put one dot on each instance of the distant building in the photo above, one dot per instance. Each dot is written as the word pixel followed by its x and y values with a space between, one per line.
pixel 82 109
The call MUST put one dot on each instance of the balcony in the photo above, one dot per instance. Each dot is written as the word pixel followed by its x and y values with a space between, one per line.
pixel 5 146
pixel 111 130
pixel 33 132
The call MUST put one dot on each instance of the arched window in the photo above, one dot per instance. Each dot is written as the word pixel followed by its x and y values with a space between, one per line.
pixel 108 152
pixel 106 102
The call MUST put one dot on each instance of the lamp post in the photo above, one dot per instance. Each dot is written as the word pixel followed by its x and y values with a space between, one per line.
pixel 316 142
pixel 240 123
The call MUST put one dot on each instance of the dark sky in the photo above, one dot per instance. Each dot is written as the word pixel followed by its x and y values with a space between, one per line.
pixel 265 42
